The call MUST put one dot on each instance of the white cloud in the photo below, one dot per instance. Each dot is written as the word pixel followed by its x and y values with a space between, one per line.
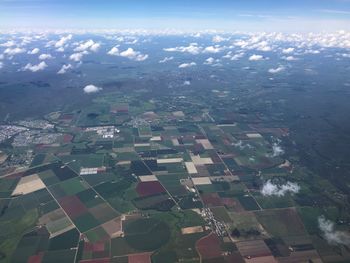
pixel 114 51
pixel 333 236
pixel 187 83
pixel 45 56
pixel 34 68
pixel 209 61
pixel 9 43
pixel 256 57
pixel 88 45
pixel 187 65
pixel 193 49
pixel 91 89
pixel 60 49
pixel 133 55
pixel 237 56
pixel 76 56
pixel 271 189
pixel 288 50
pixel 310 51
pixel 289 58
pixel 218 39
pixel 277 149
pixel 276 70
pixel 166 59
pixel 14 51
pixel 34 51
pixel 1 65
pixel 262 46
pixel 64 69
pixel 95 47
pixel 63 41
pixel 212 49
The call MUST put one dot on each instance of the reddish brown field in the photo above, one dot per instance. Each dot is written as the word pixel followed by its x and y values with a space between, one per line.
pixel 140 258
pixel 215 157
pixel 36 258
pixel 212 199
pixel 15 175
pixel 233 204
pixel 94 247
pixel 67 117
pixel 235 257
pixel 208 247
pixel 253 249
pixel 149 188
pixel 67 138
pixel 72 206
pixel 100 260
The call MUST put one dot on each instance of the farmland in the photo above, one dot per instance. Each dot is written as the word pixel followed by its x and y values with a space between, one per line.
pixel 150 169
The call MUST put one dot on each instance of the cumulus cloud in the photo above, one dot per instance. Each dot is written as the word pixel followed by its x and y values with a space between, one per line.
pixel 60 49
pixel 9 43
pixel 14 51
pixel 45 56
pixel 34 51
pixel 95 47
pixel 237 56
pixel 187 65
pixel 63 40
pixel 271 189
pixel 114 51
pixel 166 59
pixel 288 50
pixel 311 51
pixel 88 45
pixel 64 69
pixel 276 70
pixel 209 61
pixel 277 149
pixel 256 57
pixel 187 83
pixel 1 65
pixel 333 236
pixel 263 46
pixel 133 55
pixel 289 58
pixel 212 49
pixel 91 89
pixel 193 49
pixel 76 56
pixel 218 39
pixel 34 68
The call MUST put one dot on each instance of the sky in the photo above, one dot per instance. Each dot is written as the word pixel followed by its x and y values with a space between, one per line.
pixel 226 15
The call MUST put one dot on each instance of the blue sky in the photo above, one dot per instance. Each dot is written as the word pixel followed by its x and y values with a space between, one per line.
pixel 244 15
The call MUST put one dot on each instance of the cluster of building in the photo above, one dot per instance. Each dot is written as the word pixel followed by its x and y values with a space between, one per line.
pixel 93 170
pixel 36 124
pixel 106 132
pixel 7 131
pixel 217 226
pixel 32 137
pixel 137 122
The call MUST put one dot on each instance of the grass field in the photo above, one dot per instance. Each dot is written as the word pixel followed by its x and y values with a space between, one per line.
pixel 12 228
pixel 180 247
pixel 283 222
